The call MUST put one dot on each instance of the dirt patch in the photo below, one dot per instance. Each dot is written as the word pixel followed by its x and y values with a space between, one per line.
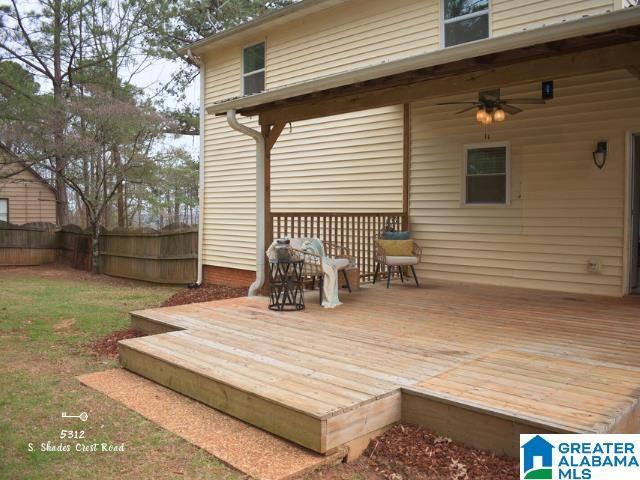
pixel 108 346
pixel 64 325
pixel 62 271
pixel 204 293
pixel 409 452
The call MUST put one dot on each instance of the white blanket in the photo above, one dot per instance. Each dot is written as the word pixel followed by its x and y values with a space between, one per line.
pixel 330 282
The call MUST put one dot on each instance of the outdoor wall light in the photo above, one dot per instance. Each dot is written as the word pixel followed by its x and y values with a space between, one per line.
pixel 600 154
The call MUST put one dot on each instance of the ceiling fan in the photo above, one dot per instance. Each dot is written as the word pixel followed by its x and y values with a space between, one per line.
pixel 491 108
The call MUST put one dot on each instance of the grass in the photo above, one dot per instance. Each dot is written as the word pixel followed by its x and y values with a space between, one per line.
pixel 46 323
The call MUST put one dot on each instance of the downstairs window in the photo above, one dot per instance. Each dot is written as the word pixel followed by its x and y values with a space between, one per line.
pixel 486 172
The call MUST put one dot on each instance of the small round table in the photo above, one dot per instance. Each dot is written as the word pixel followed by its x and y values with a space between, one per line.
pixel 286 285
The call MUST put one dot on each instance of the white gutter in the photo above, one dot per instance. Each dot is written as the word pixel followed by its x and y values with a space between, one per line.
pixel 254 289
pixel 605 22
pixel 200 168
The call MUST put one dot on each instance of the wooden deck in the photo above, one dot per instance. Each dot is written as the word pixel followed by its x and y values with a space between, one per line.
pixel 480 364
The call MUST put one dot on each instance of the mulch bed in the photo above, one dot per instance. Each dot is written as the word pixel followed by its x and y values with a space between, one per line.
pixel 108 346
pixel 204 293
pixel 411 452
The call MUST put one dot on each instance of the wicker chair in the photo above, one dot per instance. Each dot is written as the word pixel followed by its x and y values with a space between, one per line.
pixel 313 264
pixel 391 261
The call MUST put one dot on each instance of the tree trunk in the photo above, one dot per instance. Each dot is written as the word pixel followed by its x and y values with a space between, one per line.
pixel 59 118
pixel 95 247
pixel 121 201
pixel 176 208
pixel 105 189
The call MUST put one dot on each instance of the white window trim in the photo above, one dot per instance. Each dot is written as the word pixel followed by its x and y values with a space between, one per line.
pixel 7 201
pixel 244 74
pixel 444 21
pixel 463 184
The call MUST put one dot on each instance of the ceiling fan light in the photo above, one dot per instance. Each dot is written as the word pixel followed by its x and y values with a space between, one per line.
pixel 488 119
pixel 499 115
pixel 481 115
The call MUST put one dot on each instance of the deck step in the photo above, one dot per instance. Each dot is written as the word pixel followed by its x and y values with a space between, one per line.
pixel 295 407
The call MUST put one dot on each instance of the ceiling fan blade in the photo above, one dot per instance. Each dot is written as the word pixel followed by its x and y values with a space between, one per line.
pixel 472 107
pixel 533 101
pixel 510 109
pixel 458 103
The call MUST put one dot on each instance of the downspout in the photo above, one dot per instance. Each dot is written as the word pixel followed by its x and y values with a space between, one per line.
pixel 254 289
pixel 200 64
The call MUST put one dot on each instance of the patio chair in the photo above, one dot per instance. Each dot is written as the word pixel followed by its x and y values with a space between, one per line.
pixel 313 269
pixel 397 254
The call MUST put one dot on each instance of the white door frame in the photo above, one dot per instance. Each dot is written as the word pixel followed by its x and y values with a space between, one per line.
pixel 628 231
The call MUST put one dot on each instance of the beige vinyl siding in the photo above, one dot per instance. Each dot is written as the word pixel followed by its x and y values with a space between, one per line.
pixel 510 16
pixel 353 162
pixel 350 36
pixel 342 163
pixel 29 199
pixel 563 212
pixel 229 203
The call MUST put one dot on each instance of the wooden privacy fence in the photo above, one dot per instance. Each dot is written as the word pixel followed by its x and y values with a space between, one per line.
pixel 75 247
pixel 163 257
pixel 355 231
pixel 168 256
pixel 29 244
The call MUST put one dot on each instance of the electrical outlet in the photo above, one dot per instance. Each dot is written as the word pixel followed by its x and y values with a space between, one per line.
pixel 594 265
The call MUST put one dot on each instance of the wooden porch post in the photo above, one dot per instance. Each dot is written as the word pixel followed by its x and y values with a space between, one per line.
pixel 406 164
pixel 266 130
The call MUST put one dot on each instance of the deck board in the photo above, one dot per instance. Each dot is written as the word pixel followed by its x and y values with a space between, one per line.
pixel 530 359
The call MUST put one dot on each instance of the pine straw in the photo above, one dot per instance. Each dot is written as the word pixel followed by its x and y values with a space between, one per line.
pixel 204 293
pixel 108 346
pixel 412 452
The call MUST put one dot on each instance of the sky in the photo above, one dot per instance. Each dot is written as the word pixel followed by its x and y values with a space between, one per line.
pixel 159 73
pixel 151 78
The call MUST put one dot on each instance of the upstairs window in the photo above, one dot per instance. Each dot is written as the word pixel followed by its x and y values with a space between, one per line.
pixel 486 169
pixel 4 210
pixel 465 21
pixel 253 69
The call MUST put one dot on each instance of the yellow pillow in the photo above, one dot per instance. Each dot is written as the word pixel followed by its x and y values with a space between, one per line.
pixel 397 248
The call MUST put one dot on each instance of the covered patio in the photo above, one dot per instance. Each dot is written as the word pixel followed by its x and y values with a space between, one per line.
pixel 480 364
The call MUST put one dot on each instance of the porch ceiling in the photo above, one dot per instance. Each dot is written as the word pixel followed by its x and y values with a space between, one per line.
pixel 604 42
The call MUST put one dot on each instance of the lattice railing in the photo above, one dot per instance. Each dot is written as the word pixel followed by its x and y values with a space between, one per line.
pixel 356 231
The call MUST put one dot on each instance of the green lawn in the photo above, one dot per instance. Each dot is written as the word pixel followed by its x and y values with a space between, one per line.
pixel 46 323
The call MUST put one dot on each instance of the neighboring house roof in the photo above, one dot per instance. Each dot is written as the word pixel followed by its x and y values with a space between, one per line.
pixel 254 27
pixel 583 27
pixel 26 167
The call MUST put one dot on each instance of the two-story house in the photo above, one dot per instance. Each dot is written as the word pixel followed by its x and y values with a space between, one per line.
pixel 356 102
